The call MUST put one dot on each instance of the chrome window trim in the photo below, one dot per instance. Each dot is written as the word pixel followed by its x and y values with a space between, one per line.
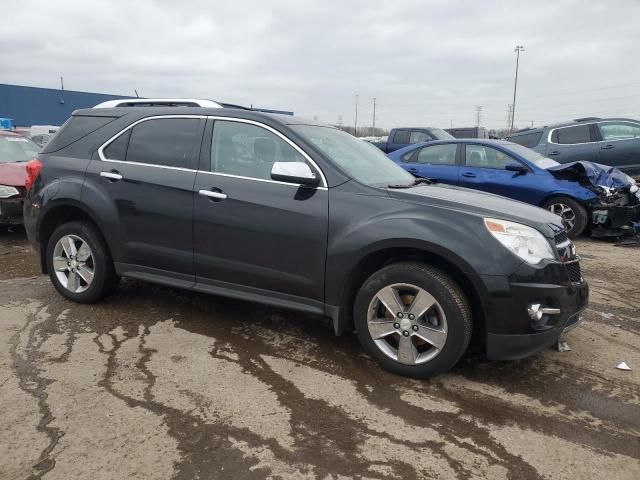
pixel 103 158
pixel 570 126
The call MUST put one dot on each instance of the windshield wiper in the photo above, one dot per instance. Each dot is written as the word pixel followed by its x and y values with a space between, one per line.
pixel 417 181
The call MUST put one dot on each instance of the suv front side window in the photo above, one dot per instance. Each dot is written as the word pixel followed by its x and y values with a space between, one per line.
pixel 246 150
pixel 572 135
pixel 619 131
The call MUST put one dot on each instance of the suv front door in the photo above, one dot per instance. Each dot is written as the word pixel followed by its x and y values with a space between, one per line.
pixel 148 173
pixel 620 145
pixel 256 235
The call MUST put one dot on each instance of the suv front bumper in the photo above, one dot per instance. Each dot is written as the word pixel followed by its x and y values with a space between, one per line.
pixel 511 332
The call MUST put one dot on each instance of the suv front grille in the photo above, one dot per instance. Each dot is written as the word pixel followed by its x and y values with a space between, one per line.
pixel 574 272
pixel 566 252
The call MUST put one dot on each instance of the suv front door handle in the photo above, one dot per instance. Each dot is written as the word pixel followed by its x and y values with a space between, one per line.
pixel 113 175
pixel 608 147
pixel 554 153
pixel 213 195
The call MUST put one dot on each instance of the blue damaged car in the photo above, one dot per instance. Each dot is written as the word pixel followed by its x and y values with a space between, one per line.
pixel 585 195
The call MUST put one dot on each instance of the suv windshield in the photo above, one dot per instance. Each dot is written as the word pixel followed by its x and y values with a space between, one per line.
pixel 361 160
pixel 533 156
pixel 17 149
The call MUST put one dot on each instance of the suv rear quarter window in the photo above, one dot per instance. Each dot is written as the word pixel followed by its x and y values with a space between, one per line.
pixel 77 127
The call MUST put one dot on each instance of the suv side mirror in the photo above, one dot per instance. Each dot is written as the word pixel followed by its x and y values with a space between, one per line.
pixel 516 167
pixel 294 172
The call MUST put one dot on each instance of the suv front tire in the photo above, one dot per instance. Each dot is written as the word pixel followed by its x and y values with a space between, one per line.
pixel 413 319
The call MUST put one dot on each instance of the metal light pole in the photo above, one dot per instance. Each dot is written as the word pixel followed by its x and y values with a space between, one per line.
pixel 374 117
pixel 355 124
pixel 518 49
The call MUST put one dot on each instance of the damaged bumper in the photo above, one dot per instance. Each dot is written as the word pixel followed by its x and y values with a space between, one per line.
pixel 614 220
pixel 11 211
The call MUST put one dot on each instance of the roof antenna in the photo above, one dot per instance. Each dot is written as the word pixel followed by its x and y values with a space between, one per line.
pixel 137 96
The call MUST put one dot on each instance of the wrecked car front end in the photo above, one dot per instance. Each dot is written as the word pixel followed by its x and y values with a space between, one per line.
pixel 615 210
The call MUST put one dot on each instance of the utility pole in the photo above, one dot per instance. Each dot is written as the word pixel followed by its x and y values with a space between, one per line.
pixel 478 115
pixel 355 123
pixel 374 117
pixel 518 49
pixel 509 110
pixel 340 121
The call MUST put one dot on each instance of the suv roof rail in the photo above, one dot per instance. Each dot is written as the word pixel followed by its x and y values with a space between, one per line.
pixel 158 102
pixel 587 119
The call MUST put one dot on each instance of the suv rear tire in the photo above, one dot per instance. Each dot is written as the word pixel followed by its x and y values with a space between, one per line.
pixel 574 216
pixel 79 263
pixel 413 319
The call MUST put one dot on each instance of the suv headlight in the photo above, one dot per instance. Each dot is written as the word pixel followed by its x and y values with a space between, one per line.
pixel 525 242
pixel 6 192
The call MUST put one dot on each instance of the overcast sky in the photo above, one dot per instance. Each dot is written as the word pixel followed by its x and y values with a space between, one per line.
pixel 427 62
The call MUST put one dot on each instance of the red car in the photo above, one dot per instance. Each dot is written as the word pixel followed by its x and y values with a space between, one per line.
pixel 15 152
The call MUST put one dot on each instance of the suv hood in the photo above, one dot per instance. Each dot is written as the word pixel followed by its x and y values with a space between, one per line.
pixel 13 174
pixel 481 204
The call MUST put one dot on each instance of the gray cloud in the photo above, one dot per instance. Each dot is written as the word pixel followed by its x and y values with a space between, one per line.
pixel 427 62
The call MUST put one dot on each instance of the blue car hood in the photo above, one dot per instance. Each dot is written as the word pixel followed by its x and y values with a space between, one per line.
pixel 595 173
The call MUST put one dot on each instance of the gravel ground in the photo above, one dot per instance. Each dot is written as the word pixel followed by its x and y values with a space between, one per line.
pixel 160 383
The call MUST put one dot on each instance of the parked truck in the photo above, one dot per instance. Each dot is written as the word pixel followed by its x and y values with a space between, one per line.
pixel 405 136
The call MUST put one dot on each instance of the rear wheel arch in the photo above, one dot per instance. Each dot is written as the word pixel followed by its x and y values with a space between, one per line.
pixel 57 215
pixel 378 259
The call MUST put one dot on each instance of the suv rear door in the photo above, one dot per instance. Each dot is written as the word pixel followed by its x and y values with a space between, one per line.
pixel 620 144
pixel 147 173
pixel 574 143
pixel 253 234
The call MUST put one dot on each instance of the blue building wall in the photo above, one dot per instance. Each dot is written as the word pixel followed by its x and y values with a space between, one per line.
pixel 45 106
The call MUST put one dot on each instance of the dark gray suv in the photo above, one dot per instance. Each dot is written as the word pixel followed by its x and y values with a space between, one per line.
pixel 283 211
pixel 610 141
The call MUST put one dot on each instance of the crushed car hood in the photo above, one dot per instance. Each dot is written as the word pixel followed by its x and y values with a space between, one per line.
pixel 596 174
pixel 13 174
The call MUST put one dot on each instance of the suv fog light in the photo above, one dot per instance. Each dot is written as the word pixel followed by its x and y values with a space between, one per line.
pixel 536 311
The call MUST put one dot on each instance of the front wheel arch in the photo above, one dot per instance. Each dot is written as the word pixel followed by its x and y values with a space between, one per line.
pixel 580 211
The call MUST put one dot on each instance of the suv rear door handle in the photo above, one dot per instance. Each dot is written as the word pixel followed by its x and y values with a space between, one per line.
pixel 213 195
pixel 554 153
pixel 113 175
pixel 468 174
pixel 608 147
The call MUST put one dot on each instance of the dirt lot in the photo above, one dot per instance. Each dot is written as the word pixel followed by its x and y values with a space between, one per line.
pixel 161 383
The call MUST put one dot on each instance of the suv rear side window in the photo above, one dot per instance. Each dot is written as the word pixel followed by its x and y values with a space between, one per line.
pixel 167 142
pixel 527 139
pixel 247 150
pixel 572 135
